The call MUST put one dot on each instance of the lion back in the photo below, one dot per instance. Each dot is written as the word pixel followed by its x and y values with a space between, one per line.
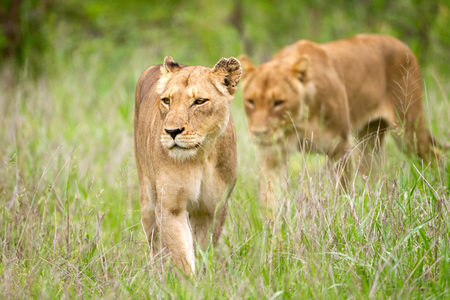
pixel 145 99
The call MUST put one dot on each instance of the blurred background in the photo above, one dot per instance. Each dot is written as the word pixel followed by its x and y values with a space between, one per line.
pixel 68 182
pixel 33 32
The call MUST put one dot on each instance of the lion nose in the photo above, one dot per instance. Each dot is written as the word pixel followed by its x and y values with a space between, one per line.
pixel 174 132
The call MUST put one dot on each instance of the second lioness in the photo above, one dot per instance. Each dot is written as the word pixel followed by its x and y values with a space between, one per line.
pixel 323 92
pixel 185 149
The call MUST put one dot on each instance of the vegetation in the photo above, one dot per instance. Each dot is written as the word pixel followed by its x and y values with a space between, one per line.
pixel 69 211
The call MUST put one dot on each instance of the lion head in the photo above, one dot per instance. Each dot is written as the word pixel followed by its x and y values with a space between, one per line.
pixel 274 96
pixel 194 104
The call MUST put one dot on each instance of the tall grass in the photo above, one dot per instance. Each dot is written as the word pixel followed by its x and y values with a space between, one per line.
pixel 70 217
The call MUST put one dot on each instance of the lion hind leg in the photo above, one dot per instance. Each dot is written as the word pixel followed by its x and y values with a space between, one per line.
pixel 412 137
pixel 405 94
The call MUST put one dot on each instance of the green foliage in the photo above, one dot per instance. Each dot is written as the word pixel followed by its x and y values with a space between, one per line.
pixel 203 31
pixel 23 31
pixel 69 211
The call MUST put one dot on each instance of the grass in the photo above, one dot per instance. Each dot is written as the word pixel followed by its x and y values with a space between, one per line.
pixel 69 209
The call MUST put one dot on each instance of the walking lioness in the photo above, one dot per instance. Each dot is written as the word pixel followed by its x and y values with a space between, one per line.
pixel 317 94
pixel 185 148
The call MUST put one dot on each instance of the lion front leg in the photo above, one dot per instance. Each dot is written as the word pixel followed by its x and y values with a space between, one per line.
pixel 370 141
pixel 208 215
pixel 268 181
pixel 176 235
pixel 172 220
pixel 201 221
pixel 207 225
pixel 274 167
pixel 341 155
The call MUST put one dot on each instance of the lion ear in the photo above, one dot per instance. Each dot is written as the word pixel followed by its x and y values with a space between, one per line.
pixel 230 70
pixel 247 65
pixel 301 67
pixel 169 65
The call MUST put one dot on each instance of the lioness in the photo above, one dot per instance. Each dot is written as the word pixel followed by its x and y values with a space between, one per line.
pixel 185 147
pixel 320 93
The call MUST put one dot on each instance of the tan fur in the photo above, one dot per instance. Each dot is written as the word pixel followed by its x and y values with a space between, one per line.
pixel 186 179
pixel 319 93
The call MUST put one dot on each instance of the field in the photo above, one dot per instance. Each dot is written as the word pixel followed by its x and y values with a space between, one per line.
pixel 69 211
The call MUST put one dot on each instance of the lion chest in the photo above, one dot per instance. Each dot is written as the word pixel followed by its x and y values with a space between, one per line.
pixel 188 187
pixel 177 186
pixel 212 186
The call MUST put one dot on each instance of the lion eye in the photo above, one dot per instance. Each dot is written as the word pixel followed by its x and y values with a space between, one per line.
pixel 251 102
pixel 278 103
pixel 166 101
pixel 200 101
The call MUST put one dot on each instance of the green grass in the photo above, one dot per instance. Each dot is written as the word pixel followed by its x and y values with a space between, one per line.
pixel 69 212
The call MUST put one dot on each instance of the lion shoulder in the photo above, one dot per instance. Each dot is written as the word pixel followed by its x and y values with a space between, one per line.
pixel 146 84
